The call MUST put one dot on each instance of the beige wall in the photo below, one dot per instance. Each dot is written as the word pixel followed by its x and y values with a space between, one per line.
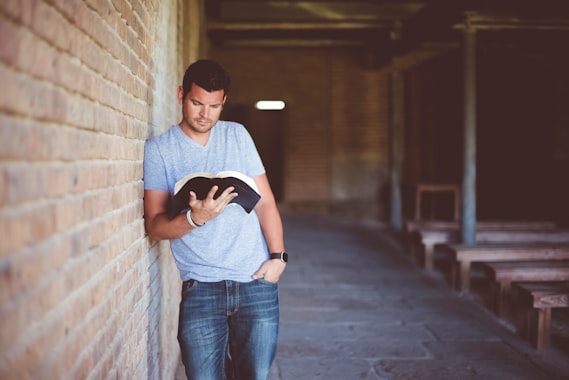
pixel 83 292
pixel 336 122
pixel 336 133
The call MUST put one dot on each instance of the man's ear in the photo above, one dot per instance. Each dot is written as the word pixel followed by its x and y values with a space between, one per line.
pixel 180 94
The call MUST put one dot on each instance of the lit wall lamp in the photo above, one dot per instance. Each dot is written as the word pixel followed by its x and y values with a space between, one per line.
pixel 270 105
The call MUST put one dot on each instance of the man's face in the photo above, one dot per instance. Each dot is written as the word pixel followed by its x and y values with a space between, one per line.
pixel 200 110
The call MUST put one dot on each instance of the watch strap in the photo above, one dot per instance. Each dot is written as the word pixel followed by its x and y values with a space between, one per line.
pixel 282 256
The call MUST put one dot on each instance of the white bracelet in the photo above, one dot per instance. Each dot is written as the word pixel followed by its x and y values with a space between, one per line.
pixel 191 221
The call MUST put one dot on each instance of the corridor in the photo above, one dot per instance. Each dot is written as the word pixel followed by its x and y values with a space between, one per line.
pixel 353 306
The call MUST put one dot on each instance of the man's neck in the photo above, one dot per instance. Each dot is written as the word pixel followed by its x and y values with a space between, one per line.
pixel 199 137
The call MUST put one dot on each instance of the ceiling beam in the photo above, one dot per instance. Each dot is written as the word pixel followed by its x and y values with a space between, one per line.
pixel 491 21
pixel 295 25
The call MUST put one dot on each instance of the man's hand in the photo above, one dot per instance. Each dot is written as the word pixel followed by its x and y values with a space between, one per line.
pixel 271 271
pixel 208 208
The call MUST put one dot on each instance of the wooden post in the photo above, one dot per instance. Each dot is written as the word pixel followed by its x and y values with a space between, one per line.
pixel 396 218
pixel 468 225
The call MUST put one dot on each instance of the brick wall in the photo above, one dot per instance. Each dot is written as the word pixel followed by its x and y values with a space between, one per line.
pixel 83 293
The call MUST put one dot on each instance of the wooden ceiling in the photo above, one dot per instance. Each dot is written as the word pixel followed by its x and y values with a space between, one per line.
pixel 395 26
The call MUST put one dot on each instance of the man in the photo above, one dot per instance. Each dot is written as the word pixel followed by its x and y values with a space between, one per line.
pixel 230 261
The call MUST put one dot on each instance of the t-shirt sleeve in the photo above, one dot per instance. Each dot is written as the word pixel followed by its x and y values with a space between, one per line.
pixel 154 169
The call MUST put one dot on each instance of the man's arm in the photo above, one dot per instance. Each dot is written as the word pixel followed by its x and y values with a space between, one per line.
pixel 160 227
pixel 271 225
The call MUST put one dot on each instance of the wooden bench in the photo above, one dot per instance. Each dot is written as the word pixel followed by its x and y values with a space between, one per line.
pixel 485 233
pixel 494 225
pixel 463 256
pixel 538 299
pixel 503 274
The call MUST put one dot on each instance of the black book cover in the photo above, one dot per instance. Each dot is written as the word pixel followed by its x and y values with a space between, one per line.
pixel 201 184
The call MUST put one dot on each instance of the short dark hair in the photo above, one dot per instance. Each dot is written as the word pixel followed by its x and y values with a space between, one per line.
pixel 208 74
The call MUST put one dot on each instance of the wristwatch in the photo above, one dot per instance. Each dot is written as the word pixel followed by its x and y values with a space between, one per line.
pixel 282 256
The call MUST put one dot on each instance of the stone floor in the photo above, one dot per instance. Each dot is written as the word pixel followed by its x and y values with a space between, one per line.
pixel 354 306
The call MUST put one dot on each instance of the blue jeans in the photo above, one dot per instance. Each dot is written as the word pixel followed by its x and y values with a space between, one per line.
pixel 228 330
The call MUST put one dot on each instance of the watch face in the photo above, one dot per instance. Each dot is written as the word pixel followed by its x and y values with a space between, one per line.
pixel 285 257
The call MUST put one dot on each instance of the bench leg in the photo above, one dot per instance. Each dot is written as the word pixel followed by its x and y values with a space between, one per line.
pixel 493 294
pixel 414 248
pixel 429 256
pixel 464 279
pixel 499 297
pixel 454 275
pixel 416 252
pixel 537 327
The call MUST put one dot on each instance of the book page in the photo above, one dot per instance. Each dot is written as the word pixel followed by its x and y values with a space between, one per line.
pixel 227 173
pixel 245 178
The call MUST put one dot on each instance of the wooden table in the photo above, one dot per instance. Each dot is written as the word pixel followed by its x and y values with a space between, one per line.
pixel 430 238
pixel 437 188
pixel 503 274
pixel 464 255
pixel 538 299
pixel 481 225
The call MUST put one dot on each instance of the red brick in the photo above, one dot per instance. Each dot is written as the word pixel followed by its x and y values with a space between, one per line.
pixel 78 84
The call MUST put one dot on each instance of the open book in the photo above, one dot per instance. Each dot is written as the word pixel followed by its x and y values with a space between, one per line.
pixel 201 183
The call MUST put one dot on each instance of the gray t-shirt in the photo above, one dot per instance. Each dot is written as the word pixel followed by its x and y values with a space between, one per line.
pixel 230 246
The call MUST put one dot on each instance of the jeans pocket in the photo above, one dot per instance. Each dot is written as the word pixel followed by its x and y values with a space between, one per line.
pixel 265 282
pixel 188 286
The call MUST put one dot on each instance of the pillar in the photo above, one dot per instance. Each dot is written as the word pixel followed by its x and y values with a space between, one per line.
pixel 396 217
pixel 468 222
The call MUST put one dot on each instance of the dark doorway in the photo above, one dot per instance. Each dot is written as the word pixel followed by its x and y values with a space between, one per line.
pixel 266 128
